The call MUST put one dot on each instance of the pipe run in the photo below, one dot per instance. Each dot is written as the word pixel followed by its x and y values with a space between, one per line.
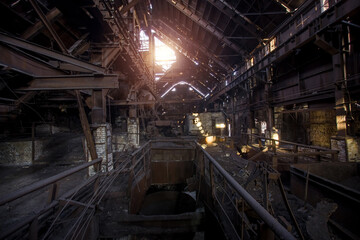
pixel 278 229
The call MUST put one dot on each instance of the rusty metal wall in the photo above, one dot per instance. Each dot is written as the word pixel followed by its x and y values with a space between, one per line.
pixel 171 166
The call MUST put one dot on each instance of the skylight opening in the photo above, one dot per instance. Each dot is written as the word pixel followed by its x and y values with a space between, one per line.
pixel 164 56
pixel 144 42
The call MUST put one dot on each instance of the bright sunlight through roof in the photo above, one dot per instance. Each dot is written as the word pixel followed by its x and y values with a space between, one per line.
pixel 164 55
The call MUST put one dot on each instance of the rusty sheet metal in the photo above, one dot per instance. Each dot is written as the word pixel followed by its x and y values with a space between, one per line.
pixel 171 172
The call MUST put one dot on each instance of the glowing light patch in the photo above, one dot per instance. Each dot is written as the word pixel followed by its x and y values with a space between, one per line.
pixel 164 56
pixel 220 125
pixel 210 139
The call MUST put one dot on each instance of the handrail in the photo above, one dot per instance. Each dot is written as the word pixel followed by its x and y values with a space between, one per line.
pixel 42 183
pixel 293 143
pixel 29 219
pixel 278 229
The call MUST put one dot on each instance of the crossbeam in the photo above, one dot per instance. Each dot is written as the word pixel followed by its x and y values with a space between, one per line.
pixel 69 82
pixel 17 42
pixel 52 15
pixel 48 26
pixel 12 59
pixel 127 103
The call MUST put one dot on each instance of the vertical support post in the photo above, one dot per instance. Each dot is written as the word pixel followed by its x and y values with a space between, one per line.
pixel 131 176
pixel 242 218
pixel 98 110
pixel 269 109
pixel 144 159
pixel 53 192
pixel 33 143
pixel 273 144
pixel 318 157
pixel 34 228
pixel 86 128
pixel 211 166
pixel 265 188
pixel 334 157
pixel 275 161
pixel 260 143
pixel 200 169
pixel 296 150
pixel 306 186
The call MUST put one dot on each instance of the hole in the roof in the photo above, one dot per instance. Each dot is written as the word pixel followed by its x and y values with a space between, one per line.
pixel 164 56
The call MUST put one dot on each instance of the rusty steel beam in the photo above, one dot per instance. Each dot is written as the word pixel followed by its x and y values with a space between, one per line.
pixel 69 82
pixel 12 59
pixel 115 21
pixel 38 26
pixel 68 67
pixel 86 128
pixel 129 6
pixel 127 103
pixel 17 42
pixel 241 15
pixel 48 26
pixel 204 24
pixel 300 37
pixel 25 98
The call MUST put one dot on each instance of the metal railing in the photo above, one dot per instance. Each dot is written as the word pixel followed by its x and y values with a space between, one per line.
pixel 231 200
pixel 53 199
pixel 230 197
pixel 140 163
pixel 290 149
